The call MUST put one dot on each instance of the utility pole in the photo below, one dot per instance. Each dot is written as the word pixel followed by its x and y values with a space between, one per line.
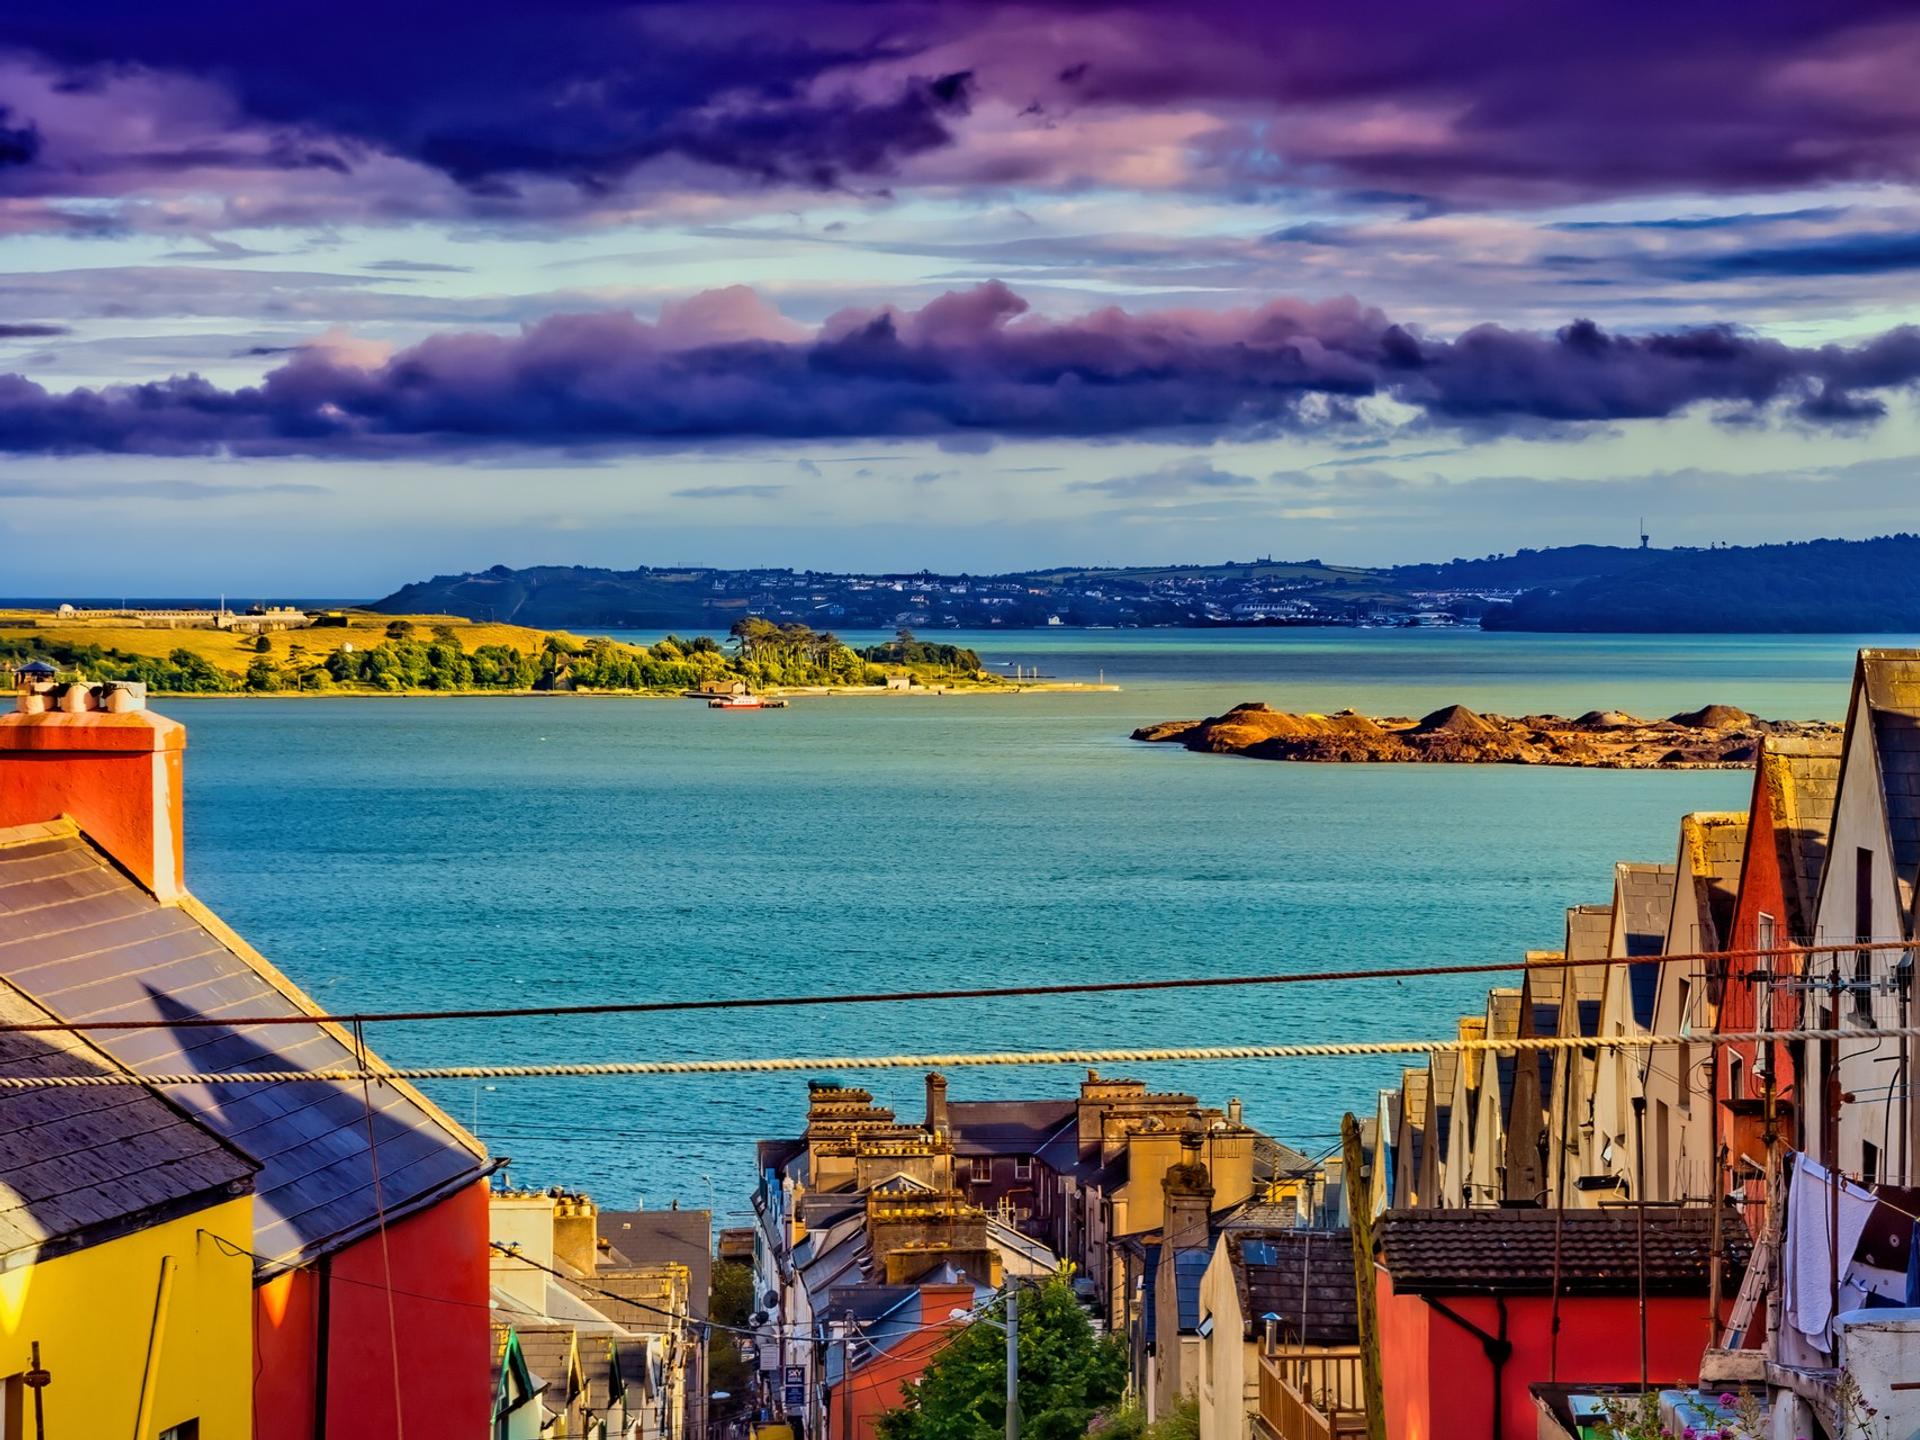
pixel 1360 1229
pixel 1013 1363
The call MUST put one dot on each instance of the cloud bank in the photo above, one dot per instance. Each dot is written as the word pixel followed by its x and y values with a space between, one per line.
pixel 966 369
pixel 303 112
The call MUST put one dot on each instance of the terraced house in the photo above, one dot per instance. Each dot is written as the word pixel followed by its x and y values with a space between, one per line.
pixel 366 1249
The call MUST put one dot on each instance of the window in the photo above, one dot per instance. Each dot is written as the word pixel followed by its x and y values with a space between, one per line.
pixel 1023 1168
pixel 185 1430
pixel 1869 1162
pixel 1862 934
pixel 1734 1092
pixel 1683 1054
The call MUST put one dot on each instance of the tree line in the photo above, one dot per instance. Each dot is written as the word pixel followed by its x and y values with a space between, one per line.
pixel 760 653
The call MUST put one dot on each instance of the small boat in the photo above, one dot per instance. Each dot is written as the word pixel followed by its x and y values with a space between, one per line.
pixel 745 702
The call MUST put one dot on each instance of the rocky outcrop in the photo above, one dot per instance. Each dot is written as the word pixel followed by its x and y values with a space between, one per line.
pixel 1713 737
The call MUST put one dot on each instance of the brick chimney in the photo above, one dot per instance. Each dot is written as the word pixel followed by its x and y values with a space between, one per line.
pixel 95 753
pixel 576 1232
pixel 936 1103
pixel 1188 1189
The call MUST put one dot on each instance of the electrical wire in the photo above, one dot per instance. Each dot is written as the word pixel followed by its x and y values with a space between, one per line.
pixel 894 997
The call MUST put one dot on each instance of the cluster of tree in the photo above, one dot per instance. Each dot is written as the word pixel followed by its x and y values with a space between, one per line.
pixel 1068 1375
pixel 796 654
pixel 763 654
pixel 907 649
pixel 181 673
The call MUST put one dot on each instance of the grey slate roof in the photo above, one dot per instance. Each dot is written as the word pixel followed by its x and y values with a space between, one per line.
pixel 87 943
pixel 657 1237
pixel 1303 1276
pixel 1891 679
pixel 83 1165
pixel 1643 894
pixel 1005 1127
pixel 549 1351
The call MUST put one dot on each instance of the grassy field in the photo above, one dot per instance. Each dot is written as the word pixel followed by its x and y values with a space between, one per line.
pixel 233 652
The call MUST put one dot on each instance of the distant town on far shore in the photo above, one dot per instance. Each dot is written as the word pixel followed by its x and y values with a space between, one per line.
pixel 1810 587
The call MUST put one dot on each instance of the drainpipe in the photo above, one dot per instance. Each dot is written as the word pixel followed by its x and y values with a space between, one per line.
pixel 1499 1349
pixel 323 1336
pixel 156 1337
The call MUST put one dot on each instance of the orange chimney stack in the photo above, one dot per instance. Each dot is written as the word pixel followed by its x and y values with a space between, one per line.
pixel 95 754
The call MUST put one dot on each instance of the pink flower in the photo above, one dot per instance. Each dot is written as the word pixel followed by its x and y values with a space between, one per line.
pixel 1726 1400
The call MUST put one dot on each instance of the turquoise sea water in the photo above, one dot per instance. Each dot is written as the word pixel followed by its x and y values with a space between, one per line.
pixel 450 852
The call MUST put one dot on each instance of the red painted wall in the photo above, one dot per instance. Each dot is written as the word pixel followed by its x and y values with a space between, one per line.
pixel 1762 891
pixel 1439 1381
pixel 440 1312
pixel 876 1385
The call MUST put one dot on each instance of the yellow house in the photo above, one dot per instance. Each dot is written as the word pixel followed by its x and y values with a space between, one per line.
pixel 122 1267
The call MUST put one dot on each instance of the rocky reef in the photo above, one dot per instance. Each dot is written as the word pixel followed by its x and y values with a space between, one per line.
pixel 1714 737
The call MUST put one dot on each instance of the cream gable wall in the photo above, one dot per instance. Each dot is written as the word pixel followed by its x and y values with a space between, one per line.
pixel 1859 822
pixel 1679 1115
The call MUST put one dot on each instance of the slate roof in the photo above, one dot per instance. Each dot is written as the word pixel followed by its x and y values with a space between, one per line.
pixel 88 943
pixel 548 1350
pixel 1589 927
pixel 1188 1266
pixel 1005 1127
pixel 1642 903
pixel 1303 1276
pixel 1456 1252
pixel 1642 895
pixel 1149 1286
pixel 1891 679
pixel 83 1165
pixel 660 1237
pixel 649 1291
pixel 1798 780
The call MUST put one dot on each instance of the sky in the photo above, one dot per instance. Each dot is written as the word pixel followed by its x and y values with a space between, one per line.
pixel 309 299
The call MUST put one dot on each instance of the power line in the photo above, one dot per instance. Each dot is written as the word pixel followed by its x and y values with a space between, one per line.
pixel 998 992
pixel 1347 1049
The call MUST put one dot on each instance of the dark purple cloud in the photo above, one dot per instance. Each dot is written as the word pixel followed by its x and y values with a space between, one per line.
pixel 964 370
pixel 13 330
pixel 1425 105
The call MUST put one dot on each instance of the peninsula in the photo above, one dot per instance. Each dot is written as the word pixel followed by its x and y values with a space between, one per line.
pixel 286 651
pixel 1712 738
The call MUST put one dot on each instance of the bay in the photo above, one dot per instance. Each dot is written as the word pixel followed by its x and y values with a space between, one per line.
pixel 433 853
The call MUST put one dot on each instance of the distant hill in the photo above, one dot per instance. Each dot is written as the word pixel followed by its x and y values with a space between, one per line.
pixel 556 596
pixel 1817 585
pixel 1811 587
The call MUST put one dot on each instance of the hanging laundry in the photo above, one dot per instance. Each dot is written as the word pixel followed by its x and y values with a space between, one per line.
pixel 1810 1246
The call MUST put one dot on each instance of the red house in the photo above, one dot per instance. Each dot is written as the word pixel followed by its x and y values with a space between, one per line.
pixel 1468 1302
pixel 887 1335
pixel 369 1250
pixel 1794 785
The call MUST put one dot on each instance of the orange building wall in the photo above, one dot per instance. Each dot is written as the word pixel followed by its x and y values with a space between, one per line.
pixel 440 1313
pixel 1439 1381
pixel 876 1385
